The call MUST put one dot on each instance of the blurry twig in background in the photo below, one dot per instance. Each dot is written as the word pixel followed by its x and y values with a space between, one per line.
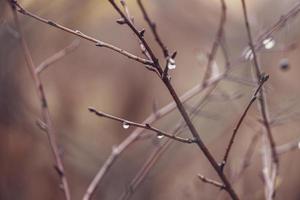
pixel 290 146
pixel 220 34
pixel 57 56
pixel 44 108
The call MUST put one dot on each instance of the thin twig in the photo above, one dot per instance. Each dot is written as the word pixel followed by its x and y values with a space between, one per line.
pixel 138 131
pixel 44 109
pixel 254 97
pixel 264 112
pixel 153 29
pixel 57 56
pixel 144 126
pixel 158 152
pixel 293 12
pixel 179 104
pixel 140 36
pixel 262 98
pixel 216 43
pixel 97 42
pixel 210 181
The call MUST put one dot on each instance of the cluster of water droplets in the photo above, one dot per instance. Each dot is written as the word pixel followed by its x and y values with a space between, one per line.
pixel 267 43
pixel 171 63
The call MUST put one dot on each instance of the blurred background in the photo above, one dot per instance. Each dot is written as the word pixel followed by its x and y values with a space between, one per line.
pixel 98 77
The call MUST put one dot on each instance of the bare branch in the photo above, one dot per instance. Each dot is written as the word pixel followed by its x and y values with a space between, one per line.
pixel 153 29
pixel 262 98
pixel 158 152
pixel 44 109
pixel 97 42
pixel 210 181
pixel 273 170
pixel 145 126
pixel 218 38
pixel 57 56
pixel 139 36
pixel 138 131
pixel 254 97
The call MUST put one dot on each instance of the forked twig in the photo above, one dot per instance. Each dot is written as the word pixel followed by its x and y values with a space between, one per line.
pixel 153 29
pixel 97 42
pixel 57 56
pixel 44 108
pixel 254 97
pixel 262 103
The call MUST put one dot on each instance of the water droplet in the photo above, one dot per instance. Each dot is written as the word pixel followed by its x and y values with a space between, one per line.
pixel 298 145
pixel 171 63
pixel 269 43
pixel 125 125
pixel 78 32
pixel 247 54
pixel 284 64
pixel 159 136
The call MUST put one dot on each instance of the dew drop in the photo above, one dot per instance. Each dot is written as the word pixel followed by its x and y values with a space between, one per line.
pixel 269 43
pixel 159 136
pixel 171 63
pixel 284 64
pixel 247 54
pixel 125 125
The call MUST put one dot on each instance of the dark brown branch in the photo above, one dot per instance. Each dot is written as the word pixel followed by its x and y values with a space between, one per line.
pixel 44 109
pixel 97 42
pixel 144 126
pixel 254 97
pixel 153 29
pixel 57 56
pixel 138 131
pixel 262 98
pixel 210 181
pixel 179 105
pixel 272 170
pixel 140 36
pixel 158 152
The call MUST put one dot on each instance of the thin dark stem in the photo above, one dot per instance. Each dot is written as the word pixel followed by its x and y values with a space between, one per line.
pixel 179 105
pixel 271 172
pixel 140 37
pixel 144 126
pixel 97 42
pixel 153 29
pixel 158 152
pixel 262 98
pixel 254 97
pixel 138 131
pixel 44 109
